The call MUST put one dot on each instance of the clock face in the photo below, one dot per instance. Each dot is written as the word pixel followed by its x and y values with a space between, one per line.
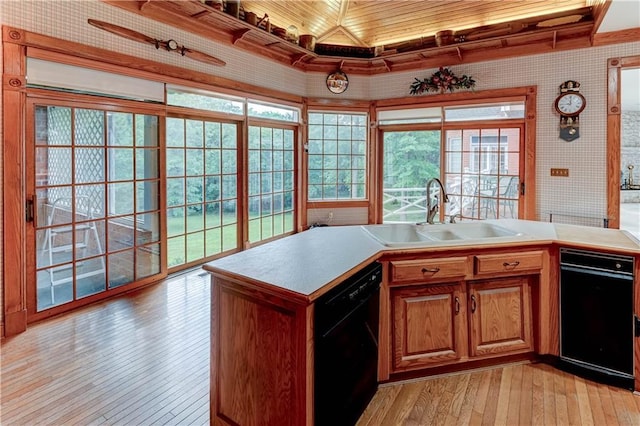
pixel 570 104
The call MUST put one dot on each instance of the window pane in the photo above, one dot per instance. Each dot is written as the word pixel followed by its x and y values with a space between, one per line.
pixel 200 176
pixel 270 162
pixel 204 100
pixel 273 112
pixel 410 159
pixel 336 143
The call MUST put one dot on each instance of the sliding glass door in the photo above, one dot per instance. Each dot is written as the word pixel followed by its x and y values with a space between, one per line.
pixel 202 189
pixel 95 203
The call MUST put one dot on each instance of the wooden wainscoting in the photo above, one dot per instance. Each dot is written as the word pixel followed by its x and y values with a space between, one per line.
pixel 143 359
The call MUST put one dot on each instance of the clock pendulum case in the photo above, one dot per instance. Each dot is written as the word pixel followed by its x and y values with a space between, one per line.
pixel 569 104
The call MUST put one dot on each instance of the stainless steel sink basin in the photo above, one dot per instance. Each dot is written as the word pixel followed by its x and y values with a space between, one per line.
pixel 412 235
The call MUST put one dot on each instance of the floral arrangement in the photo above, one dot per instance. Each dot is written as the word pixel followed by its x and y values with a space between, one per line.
pixel 442 80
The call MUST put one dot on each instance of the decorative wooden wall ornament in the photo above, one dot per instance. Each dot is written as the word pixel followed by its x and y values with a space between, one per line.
pixel 169 45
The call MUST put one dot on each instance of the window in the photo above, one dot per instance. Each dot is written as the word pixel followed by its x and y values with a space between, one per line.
pixel 410 159
pixel 337 150
pixel 207 101
pixel 479 164
pixel 483 177
pixel 273 112
pixel 202 216
pixel 271 182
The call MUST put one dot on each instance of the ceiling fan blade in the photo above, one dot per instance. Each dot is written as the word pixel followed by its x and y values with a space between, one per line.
pixel 203 57
pixel 122 32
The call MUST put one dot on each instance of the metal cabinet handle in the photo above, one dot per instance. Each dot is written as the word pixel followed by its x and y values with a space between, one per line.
pixel 457 300
pixel 473 303
pixel 511 264
pixel 430 270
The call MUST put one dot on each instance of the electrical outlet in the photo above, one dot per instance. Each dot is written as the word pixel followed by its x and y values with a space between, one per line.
pixel 560 172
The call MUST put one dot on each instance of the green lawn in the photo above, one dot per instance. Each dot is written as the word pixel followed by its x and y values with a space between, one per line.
pixel 202 236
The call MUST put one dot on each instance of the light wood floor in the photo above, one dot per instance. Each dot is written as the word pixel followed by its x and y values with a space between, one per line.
pixel 143 359
pixel 523 394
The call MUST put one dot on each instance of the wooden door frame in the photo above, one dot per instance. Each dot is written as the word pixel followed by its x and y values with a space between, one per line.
pixel 614 110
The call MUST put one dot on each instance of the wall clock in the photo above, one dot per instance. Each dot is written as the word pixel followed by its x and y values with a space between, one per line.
pixel 569 104
pixel 337 82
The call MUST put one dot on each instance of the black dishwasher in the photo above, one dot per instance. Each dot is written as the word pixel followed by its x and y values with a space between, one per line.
pixel 596 316
pixel 346 348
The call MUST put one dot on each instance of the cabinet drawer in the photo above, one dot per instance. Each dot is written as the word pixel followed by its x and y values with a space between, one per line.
pixel 429 270
pixel 508 263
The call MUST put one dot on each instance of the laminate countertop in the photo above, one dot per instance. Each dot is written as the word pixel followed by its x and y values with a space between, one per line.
pixel 308 263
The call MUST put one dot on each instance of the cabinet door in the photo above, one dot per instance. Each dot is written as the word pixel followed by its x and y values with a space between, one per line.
pixel 429 325
pixel 500 316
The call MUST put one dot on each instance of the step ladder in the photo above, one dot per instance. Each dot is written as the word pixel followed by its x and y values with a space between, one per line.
pixel 82 236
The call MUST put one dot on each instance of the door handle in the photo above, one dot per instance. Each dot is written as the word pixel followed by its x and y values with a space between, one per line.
pixel 473 303
pixel 28 209
pixel 457 301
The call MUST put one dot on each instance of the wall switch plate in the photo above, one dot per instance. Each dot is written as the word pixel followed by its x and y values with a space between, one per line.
pixel 560 172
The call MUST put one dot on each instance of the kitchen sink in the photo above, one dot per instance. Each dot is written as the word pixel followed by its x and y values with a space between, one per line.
pixel 442 235
pixel 482 230
pixel 418 235
pixel 397 234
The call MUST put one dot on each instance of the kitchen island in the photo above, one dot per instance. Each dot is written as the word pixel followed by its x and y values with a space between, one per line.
pixel 262 334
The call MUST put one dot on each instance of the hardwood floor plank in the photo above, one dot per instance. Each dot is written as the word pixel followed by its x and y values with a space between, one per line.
pixel 515 394
pixel 436 389
pixel 446 401
pixel 466 408
pixel 380 406
pixel 559 388
pixel 526 396
pixel 607 405
pixel 597 411
pixel 424 398
pixel 583 402
pixel 503 397
pixel 549 397
pixel 458 396
pixel 491 407
pixel 573 409
pixel 617 398
pixel 403 403
pixel 481 398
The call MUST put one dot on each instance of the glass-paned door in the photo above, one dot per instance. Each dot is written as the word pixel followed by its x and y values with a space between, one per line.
pixel 482 174
pixel 95 176
pixel 202 189
pixel 410 159
pixel 271 182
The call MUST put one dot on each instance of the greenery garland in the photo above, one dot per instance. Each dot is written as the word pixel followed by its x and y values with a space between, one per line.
pixel 442 80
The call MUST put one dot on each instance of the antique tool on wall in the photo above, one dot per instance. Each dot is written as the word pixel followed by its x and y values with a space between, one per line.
pixel 170 45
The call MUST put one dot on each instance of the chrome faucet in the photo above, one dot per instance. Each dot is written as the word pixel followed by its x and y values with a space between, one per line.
pixel 432 210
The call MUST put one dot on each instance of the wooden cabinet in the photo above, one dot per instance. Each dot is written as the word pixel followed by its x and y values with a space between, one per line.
pixel 428 325
pixel 429 270
pixel 508 263
pixel 500 319
pixel 453 309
